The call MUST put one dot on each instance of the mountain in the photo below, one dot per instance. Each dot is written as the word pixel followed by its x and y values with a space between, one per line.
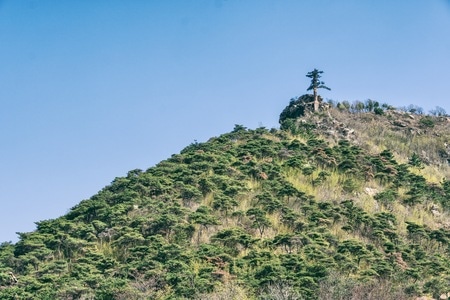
pixel 347 202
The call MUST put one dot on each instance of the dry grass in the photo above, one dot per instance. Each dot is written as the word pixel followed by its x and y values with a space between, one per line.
pixel 229 290
pixel 377 133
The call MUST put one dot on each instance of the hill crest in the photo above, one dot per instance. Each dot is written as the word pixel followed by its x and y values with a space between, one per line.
pixel 338 204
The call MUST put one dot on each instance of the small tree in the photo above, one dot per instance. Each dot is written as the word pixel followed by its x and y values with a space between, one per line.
pixel 316 84
pixel 260 221
pixel 438 111
pixel 415 161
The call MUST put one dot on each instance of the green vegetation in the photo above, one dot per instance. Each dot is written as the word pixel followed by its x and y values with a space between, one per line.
pixel 296 108
pixel 348 204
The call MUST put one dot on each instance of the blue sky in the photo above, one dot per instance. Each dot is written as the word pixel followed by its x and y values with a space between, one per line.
pixel 92 89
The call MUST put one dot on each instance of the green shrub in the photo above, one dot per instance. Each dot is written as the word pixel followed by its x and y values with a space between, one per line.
pixel 378 111
pixel 297 107
pixel 427 121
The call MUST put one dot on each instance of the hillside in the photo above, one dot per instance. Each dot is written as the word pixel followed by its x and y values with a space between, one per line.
pixel 339 204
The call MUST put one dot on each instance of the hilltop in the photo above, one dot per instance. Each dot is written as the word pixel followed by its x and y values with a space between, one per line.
pixel 345 202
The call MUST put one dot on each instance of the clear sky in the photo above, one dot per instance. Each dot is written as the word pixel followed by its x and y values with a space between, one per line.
pixel 92 89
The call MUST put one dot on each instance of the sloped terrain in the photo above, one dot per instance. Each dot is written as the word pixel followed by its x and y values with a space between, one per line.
pixel 337 205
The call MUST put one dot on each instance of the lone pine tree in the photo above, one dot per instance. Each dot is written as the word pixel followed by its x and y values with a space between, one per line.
pixel 316 84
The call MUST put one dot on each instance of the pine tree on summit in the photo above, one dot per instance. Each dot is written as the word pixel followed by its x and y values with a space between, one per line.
pixel 316 84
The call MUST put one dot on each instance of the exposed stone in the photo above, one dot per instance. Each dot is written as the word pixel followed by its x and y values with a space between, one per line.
pixel 435 213
pixel 399 124
pixel 370 191
pixel 424 298
pixel 435 210
pixel 347 131
pixel 263 176
pixel 444 296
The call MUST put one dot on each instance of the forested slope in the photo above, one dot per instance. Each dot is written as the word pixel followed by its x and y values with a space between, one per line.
pixel 330 207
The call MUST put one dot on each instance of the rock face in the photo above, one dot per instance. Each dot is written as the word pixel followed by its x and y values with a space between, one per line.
pixel 328 125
